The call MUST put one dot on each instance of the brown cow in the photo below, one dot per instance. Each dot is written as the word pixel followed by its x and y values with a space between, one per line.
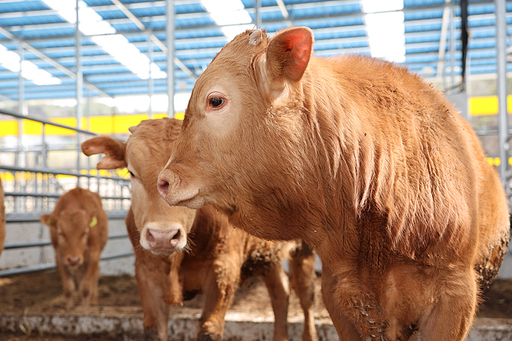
pixel 79 232
pixel 364 161
pixel 2 218
pixel 217 258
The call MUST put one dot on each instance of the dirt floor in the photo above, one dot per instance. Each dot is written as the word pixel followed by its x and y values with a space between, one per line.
pixel 41 292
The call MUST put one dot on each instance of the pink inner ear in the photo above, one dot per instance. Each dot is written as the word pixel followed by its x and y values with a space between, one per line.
pixel 299 43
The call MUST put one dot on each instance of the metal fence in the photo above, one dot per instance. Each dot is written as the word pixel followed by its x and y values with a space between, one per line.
pixel 38 168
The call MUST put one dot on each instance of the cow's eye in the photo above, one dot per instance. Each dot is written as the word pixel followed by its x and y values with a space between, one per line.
pixel 132 175
pixel 216 102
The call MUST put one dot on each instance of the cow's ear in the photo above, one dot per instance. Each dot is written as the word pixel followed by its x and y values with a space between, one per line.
pixel 288 53
pixel 113 148
pixel 48 220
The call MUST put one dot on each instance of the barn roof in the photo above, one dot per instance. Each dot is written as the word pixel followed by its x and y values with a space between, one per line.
pixel 45 29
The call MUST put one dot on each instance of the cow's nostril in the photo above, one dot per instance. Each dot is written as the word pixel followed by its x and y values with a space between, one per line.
pixel 175 238
pixel 149 236
pixel 177 235
pixel 163 186
pixel 73 260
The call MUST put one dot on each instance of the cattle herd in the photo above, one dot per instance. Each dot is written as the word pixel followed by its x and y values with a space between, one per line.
pixel 283 155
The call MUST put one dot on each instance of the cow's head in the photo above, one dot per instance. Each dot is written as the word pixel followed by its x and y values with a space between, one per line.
pixel 71 229
pixel 163 229
pixel 240 121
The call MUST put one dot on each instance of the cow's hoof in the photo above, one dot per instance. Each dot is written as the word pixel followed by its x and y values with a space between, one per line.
pixel 209 337
pixel 150 334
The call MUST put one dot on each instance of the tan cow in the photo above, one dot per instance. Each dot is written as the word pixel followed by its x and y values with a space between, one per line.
pixel 2 218
pixel 217 257
pixel 79 232
pixel 365 162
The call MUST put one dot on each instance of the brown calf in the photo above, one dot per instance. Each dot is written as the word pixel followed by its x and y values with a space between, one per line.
pixel 2 218
pixel 79 232
pixel 361 159
pixel 217 257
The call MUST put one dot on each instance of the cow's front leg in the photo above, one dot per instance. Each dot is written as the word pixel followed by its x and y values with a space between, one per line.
pixel 452 314
pixel 87 279
pixel 220 285
pixel 151 276
pixel 302 271
pixel 278 287
pixel 68 283
pixel 356 315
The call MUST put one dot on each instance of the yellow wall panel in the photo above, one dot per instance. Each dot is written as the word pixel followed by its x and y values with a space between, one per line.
pixel 8 128
pixel 105 125
pixel 487 105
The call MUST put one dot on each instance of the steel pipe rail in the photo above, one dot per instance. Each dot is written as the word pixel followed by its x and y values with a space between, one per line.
pixel 57 172
pixel 49 242
pixel 43 121
pixel 53 195
pixel 16 218
pixel 47 266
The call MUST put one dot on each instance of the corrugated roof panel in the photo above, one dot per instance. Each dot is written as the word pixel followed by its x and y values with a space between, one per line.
pixel 340 34
pixel 44 33
pixel 21 6
pixel 422 3
pixel 149 11
pixel 330 22
pixel 32 20
pixel 423 15
pixel 125 27
pixel 418 28
pixel 194 22
pixel 423 38
pixel 322 11
pixel 319 46
pixel 188 8
pixel 110 14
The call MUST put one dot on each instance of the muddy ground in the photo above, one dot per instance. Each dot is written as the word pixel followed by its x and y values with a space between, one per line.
pixel 41 292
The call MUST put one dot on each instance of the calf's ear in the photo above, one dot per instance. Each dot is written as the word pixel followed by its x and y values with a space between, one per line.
pixel 48 220
pixel 288 53
pixel 113 148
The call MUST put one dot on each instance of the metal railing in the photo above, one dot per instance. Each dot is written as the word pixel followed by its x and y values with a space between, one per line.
pixel 32 188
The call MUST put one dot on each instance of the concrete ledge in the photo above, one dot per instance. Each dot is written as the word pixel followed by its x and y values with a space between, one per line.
pixel 126 324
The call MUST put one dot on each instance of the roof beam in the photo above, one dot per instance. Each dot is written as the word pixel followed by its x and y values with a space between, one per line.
pixel 283 9
pixel 49 60
pixel 442 40
pixel 152 36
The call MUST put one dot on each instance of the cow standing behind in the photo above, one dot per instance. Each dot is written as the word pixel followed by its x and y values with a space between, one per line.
pixel 2 218
pixel 79 233
pixel 217 256
pixel 364 161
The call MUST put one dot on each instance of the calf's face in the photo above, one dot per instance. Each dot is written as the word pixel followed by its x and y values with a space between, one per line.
pixel 71 228
pixel 163 229
pixel 239 122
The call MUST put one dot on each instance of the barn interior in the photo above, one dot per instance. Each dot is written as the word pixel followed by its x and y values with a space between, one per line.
pixel 74 69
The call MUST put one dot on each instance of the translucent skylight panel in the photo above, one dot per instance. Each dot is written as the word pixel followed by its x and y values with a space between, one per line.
pixel 385 27
pixel 12 61
pixel 103 34
pixel 230 15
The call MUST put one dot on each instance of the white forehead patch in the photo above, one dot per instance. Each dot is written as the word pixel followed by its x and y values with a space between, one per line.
pixel 256 37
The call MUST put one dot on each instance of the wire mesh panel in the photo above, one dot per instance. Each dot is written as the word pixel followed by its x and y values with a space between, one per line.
pixel 38 163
